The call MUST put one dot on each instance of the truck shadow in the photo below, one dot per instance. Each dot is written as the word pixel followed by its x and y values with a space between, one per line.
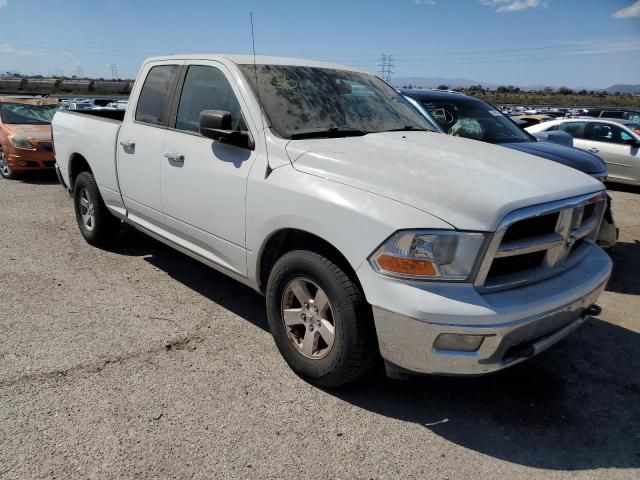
pixel 623 187
pixel 626 268
pixel 575 407
pixel 38 178
pixel 235 297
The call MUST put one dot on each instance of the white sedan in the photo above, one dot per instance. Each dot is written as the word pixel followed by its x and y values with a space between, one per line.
pixel 616 141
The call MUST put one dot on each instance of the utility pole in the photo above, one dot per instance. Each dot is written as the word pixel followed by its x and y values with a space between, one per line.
pixel 386 67
pixel 114 71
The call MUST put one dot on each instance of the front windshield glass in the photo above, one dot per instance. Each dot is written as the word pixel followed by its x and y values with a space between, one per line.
pixel 467 117
pixel 23 114
pixel 302 100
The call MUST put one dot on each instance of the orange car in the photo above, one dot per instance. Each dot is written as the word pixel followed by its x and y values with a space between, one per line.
pixel 25 134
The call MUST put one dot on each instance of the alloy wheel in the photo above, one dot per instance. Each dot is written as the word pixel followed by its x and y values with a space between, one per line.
pixel 4 168
pixel 87 210
pixel 308 318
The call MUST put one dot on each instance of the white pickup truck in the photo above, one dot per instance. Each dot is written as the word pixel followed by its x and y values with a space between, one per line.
pixel 368 233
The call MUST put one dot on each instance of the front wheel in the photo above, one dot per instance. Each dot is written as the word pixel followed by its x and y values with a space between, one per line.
pixel 97 225
pixel 319 319
pixel 5 170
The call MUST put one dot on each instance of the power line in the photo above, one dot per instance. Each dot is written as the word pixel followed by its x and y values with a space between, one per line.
pixel 444 53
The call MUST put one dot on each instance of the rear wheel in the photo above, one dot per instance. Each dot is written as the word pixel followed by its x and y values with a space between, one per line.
pixel 5 170
pixel 319 319
pixel 97 225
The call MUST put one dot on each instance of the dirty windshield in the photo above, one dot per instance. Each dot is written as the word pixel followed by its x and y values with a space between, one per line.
pixel 25 114
pixel 307 102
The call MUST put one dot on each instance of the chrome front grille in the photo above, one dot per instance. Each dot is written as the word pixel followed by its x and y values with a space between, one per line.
pixel 537 242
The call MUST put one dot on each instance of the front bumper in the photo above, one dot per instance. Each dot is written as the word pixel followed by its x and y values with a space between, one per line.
pixel 516 324
pixel 30 160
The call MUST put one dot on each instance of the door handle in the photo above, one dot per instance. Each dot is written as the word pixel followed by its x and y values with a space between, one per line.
pixel 128 146
pixel 593 150
pixel 175 158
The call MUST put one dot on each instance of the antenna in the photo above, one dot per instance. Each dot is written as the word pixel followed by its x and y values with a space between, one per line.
pixel 255 72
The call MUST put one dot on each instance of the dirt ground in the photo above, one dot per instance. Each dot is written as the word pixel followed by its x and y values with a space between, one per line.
pixel 139 362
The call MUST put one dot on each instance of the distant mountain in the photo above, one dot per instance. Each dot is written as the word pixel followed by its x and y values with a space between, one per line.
pixel 435 82
pixel 623 89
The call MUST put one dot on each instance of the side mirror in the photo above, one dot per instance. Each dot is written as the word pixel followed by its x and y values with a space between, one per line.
pixel 216 124
pixel 632 142
pixel 555 136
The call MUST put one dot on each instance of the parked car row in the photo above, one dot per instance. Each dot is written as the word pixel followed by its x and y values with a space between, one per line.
pixel 369 231
pixel 84 103
pixel 526 116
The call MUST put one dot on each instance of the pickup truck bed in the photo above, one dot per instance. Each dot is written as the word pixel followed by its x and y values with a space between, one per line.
pixel 98 132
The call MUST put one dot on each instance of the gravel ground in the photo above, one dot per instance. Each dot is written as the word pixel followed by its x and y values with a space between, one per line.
pixel 141 363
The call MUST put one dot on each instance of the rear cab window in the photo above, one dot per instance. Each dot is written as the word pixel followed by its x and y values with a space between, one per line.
pixel 154 101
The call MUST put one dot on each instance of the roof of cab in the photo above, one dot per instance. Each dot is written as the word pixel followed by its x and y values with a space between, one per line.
pixel 259 59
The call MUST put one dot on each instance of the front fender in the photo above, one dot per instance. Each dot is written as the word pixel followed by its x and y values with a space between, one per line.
pixel 352 220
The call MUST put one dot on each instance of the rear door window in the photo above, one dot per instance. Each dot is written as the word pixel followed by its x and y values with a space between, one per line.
pixel 154 102
pixel 206 88
pixel 605 132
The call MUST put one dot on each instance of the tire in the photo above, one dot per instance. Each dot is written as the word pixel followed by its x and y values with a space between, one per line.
pixel 97 225
pixel 5 171
pixel 353 348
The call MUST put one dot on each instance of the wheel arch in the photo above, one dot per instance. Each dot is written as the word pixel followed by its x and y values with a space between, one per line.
pixel 287 239
pixel 77 164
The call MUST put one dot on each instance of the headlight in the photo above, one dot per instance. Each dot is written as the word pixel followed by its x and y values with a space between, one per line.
pixel 424 254
pixel 22 143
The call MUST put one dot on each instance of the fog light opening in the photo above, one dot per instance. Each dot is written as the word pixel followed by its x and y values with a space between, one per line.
pixel 458 342
pixel 22 163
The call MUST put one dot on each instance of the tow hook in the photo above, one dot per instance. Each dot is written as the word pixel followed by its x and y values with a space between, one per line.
pixel 593 311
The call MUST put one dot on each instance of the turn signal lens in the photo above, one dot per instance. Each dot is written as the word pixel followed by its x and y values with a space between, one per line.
pixel 407 266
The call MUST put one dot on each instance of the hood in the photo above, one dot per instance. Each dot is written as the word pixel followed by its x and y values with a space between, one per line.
pixel 36 132
pixel 468 184
pixel 572 157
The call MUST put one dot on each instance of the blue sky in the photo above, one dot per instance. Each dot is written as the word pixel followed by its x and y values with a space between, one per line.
pixel 592 43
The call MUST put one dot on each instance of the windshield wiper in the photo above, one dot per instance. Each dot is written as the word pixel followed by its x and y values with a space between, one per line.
pixel 332 132
pixel 407 128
